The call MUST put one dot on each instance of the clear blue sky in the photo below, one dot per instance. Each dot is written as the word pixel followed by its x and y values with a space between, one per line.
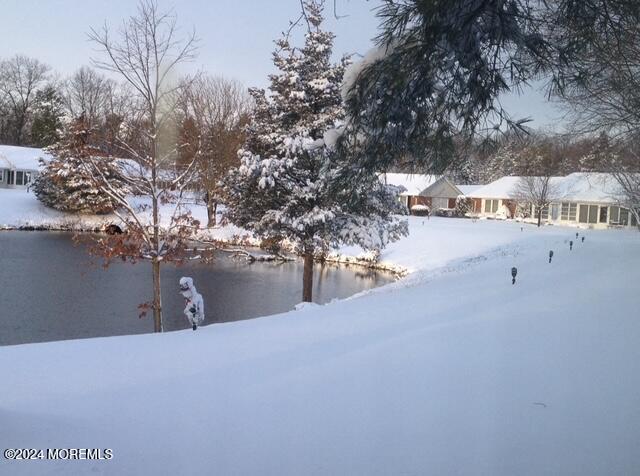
pixel 236 36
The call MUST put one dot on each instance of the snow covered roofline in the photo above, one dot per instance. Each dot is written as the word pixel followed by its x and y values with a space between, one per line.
pixel 21 158
pixel 502 188
pixel 414 184
pixel 588 187
pixel 591 187
pixel 468 190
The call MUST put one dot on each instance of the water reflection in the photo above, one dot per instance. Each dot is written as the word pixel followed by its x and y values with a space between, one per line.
pixel 48 290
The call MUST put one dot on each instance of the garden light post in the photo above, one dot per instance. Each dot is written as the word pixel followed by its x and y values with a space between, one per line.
pixel 514 272
pixel 550 255
pixel 570 245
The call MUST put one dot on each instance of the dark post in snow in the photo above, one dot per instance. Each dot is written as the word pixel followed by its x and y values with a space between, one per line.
pixel 514 272
pixel 576 235
pixel 570 245
pixel 550 255
pixel 583 239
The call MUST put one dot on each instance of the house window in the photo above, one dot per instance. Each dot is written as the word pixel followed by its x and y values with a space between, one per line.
pixel 568 212
pixel 555 211
pixel 588 214
pixel 10 177
pixel 1 176
pixel 614 215
pixel 624 216
pixel 634 221
pixel 491 206
pixel 19 177
pixel 603 214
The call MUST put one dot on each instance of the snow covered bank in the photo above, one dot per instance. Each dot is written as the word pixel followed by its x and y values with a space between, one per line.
pixel 452 371
pixel 20 209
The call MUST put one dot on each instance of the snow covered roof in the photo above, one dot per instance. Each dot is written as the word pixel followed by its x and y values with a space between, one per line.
pixel 575 187
pixel 413 183
pixel 501 188
pixel 590 187
pixel 25 158
pixel 467 190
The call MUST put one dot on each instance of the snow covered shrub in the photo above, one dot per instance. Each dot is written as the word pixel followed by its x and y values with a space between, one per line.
pixel 445 212
pixel 66 183
pixel 464 205
pixel 420 210
pixel 523 210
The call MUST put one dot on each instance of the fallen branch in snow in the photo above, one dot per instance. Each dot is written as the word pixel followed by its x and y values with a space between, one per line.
pixel 251 257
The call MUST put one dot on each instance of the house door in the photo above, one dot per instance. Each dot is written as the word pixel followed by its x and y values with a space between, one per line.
pixel 555 211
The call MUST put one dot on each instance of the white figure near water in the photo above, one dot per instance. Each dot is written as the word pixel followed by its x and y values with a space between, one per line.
pixel 194 305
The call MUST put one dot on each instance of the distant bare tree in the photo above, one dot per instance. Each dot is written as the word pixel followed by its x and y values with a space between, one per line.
pixel 20 78
pixel 146 51
pixel 624 162
pixel 539 191
pixel 86 93
pixel 215 109
pixel 630 185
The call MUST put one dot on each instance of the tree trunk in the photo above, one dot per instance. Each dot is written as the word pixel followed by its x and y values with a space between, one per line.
pixel 539 216
pixel 212 207
pixel 307 277
pixel 157 298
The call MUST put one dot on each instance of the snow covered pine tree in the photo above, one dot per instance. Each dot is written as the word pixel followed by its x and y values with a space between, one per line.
pixel 65 182
pixel 284 188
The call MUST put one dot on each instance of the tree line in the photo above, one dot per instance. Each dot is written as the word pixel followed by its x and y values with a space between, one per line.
pixel 38 110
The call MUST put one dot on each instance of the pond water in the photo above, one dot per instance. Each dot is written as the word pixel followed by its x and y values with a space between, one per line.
pixel 51 289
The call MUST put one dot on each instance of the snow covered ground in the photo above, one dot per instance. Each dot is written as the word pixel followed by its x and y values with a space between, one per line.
pixel 452 370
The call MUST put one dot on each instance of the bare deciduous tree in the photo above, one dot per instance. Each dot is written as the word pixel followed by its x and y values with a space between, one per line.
pixel 630 186
pixel 216 109
pixel 86 93
pixel 146 52
pixel 539 191
pixel 20 79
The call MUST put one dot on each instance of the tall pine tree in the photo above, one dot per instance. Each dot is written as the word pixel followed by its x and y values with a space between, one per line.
pixel 285 187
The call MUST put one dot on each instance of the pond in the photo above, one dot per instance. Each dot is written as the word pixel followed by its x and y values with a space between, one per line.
pixel 51 289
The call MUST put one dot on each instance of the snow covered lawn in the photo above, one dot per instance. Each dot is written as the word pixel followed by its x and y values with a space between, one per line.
pixel 450 371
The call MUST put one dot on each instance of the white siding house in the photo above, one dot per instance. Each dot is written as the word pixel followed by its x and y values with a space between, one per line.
pixel 586 199
pixel 19 165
